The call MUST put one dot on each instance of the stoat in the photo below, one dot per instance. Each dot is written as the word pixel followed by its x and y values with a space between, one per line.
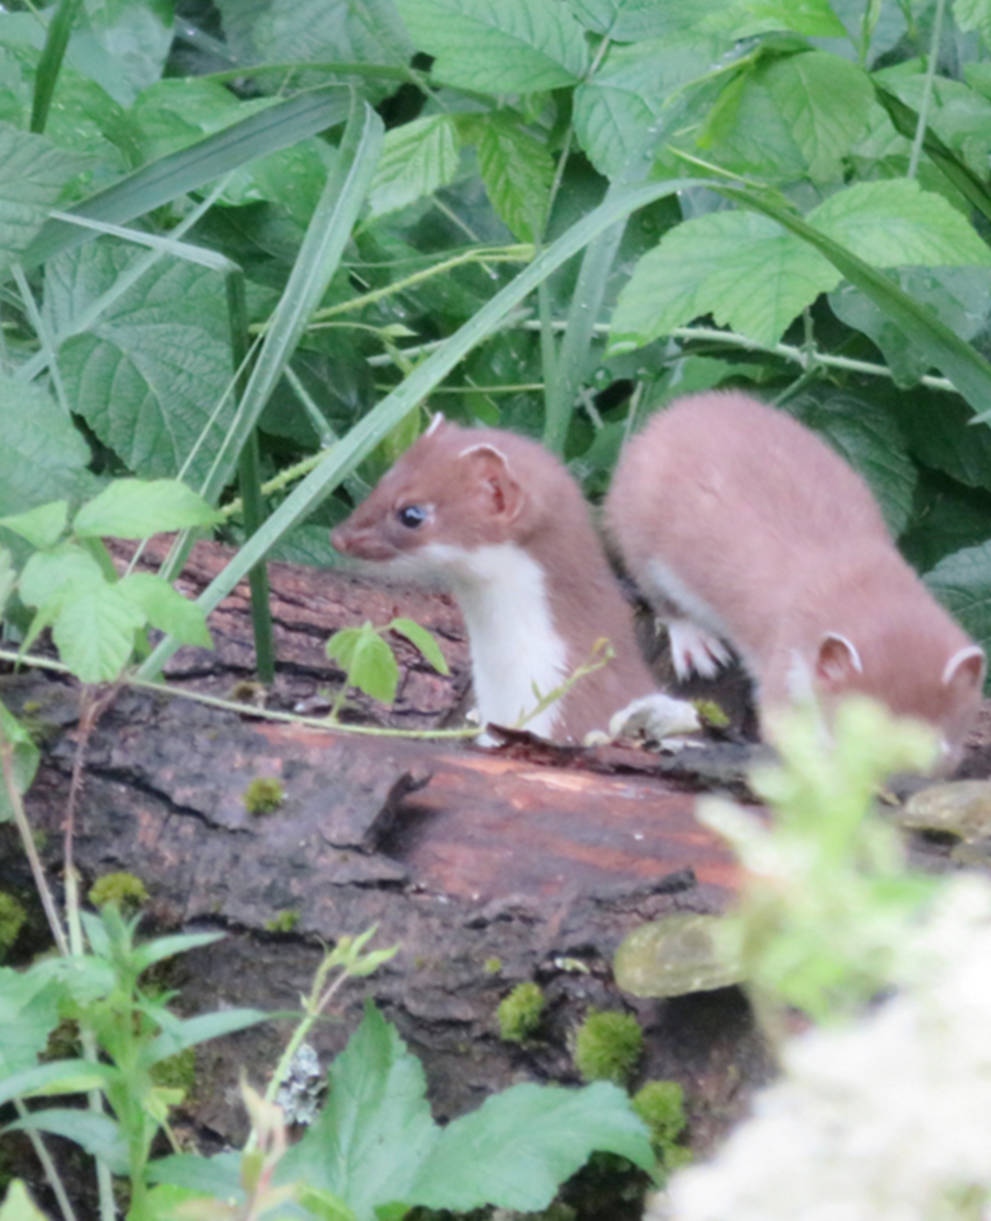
pixel 503 525
pixel 743 527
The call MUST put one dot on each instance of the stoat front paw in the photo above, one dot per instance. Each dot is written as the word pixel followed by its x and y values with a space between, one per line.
pixel 655 717
pixel 694 650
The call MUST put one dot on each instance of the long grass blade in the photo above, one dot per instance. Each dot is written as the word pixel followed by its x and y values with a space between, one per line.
pixel 192 167
pixel 50 61
pixel 377 424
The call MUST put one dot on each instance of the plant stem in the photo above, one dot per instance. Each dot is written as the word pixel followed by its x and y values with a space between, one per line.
pixel 927 88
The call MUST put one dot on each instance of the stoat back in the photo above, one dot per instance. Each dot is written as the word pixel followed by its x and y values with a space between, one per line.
pixel 755 529
pixel 501 522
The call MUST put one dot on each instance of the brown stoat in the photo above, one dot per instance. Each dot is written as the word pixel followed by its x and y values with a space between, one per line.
pixel 742 526
pixel 503 525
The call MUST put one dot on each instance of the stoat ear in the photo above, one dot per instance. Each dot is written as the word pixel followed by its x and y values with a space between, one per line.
pixel 965 669
pixel 503 494
pixel 837 660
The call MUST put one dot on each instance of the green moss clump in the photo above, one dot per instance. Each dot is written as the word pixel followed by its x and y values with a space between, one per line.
pixel 492 966
pixel 608 1046
pixel 124 889
pixel 264 795
pixel 283 922
pixel 519 1013
pixel 12 917
pixel 661 1105
pixel 178 1072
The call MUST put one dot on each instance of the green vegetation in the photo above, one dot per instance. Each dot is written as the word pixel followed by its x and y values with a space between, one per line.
pixel 12 917
pixel 519 1013
pixel 264 795
pixel 124 890
pixel 283 922
pixel 608 1046
pixel 661 1105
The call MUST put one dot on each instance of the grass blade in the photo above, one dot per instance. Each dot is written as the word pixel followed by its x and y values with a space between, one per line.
pixel 192 167
pixel 50 63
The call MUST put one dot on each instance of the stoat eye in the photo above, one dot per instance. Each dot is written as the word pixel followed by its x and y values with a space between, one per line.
pixel 412 516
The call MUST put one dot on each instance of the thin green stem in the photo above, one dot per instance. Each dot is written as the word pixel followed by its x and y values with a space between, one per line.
pixel 47 1165
pixel 920 129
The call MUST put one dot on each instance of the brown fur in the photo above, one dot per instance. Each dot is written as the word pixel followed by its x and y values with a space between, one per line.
pixel 487 486
pixel 782 544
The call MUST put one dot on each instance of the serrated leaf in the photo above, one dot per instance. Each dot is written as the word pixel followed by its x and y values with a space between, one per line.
pixel 825 100
pixel 869 438
pixel 42 455
pixel 895 222
pixel 375 1128
pixel 94 632
pixel 28 1014
pixel 148 373
pixel 740 268
pixel 26 757
pixel 745 18
pixel 35 175
pixel 99 1135
pixel 514 46
pixel 165 608
pixel 422 640
pixel 368 661
pixel 43 526
pixel 633 20
pixel 517 171
pixel 533 1137
pixel 315 30
pixel 48 574
pixel 139 508
pixel 962 582
pixel 416 159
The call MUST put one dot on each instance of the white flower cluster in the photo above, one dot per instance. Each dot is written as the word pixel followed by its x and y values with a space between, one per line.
pixel 885 1119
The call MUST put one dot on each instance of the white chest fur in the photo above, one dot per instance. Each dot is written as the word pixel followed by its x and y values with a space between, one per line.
pixel 502 593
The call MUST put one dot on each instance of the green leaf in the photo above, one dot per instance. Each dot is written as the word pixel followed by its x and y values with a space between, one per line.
pixel 375 1129
pixel 740 268
pixel 218 1176
pixel 326 1206
pixel 869 438
pixel 25 764
pixel 517 171
pixel 634 20
pixel 56 1077
pixel 18 1205
pixel 368 661
pixel 160 948
pixel 165 608
pixel 745 131
pixel 417 158
pixel 28 1009
pixel 962 583
pixel 422 640
pixel 147 375
pixel 515 46
pixel 745 18
pixel 99 1135
pixel 177 1034
pixel 940 435
pixel 66 568
pixel 139 508
pixel 520 1145
pixel 43 526
pixel 896 222
pixel 94 632
pixel 42 455
pixel 825 100
pixel 123 45
pixel 35 176
pixel 307 31
pixel 974 15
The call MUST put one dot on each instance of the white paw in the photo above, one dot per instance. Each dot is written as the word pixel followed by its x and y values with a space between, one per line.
pixel 655 717
pixel 694 650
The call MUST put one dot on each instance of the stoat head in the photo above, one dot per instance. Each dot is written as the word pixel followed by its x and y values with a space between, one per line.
pixel 455 489
pixel 922 667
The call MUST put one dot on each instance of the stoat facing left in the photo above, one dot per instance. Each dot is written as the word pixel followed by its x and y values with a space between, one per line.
pixel 504 526
pixel 741 525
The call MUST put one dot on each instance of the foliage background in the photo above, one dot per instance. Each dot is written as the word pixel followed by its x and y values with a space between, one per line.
pixel 757 161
